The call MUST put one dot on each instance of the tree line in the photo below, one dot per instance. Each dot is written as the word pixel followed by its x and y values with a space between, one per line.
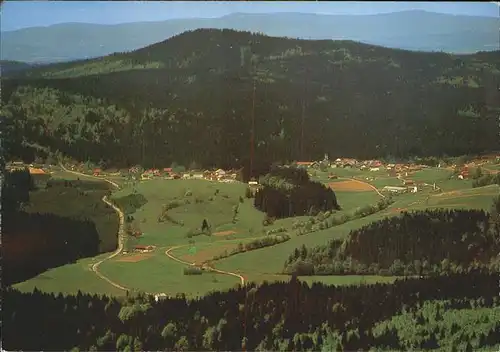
pixel 430 242
pixel 288 192
pixel 272 316
pixel 58 224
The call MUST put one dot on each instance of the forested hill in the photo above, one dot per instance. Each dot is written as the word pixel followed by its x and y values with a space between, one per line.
pixel 189 99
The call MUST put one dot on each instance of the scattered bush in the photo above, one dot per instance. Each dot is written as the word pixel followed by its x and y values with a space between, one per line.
pixel 192 270
pixel 255 244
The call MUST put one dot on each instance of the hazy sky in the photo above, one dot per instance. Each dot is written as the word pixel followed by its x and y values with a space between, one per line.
pixel 22 14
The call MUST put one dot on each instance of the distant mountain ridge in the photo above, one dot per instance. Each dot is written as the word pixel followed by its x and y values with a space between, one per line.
pixel 411 30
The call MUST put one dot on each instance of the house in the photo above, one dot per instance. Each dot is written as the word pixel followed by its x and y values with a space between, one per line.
pixel 97 172
pixel 167 170
pixel 395 189
pixel 160 296
pixel 198 176
pixel 147 175
pixel 141 248
pixel 304 164
pixel 39 177
pixel 376 163
pixel 36 171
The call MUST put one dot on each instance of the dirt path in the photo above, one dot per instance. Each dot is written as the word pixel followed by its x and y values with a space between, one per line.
pixel 121 231
pixel 116 185
pixel 121 238
pixel 167 252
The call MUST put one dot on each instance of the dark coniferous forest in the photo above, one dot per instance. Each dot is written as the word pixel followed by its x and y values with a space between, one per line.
pixel 189 99
pixel 289 192
pixel 276 316
pixel 34 239
pixel 431 242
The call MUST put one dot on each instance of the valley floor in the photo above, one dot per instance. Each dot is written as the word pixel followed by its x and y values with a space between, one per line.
pixel 162 269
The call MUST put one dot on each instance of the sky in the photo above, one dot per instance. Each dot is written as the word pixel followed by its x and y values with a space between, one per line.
pixel 23 14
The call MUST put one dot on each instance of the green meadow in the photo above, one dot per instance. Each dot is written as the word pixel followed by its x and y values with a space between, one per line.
pixel 200 199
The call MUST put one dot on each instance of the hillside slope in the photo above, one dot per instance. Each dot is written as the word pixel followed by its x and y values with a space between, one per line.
pixel 414 30
pixel 189 99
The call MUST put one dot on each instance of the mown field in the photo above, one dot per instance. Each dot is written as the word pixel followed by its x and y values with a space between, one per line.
pixel 215 202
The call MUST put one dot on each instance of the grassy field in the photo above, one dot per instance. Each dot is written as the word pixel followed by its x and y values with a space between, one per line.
pixel 69 279
pixel 158 274
pixel 215 202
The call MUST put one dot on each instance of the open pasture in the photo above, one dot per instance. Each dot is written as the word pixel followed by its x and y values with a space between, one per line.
pixel 195 200
pixel 70 278
pixel 215 202
pixel 159 273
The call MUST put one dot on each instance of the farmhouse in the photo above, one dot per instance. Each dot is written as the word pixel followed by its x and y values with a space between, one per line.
pixel 348 163
pixel 464 174
pixel 305 164
pixel 147 175
pixel 143 249
pixel 36 171
pixel 395 189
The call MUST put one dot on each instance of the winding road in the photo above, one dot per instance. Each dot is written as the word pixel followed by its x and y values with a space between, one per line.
pixel 121 236
pixel 121 240
pixel 121 230
pixel 167 252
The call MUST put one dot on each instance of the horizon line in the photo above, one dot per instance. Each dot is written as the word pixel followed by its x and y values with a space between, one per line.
pixel 252 14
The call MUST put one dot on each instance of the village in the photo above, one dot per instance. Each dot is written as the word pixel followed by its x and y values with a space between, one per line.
pixel 137 174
